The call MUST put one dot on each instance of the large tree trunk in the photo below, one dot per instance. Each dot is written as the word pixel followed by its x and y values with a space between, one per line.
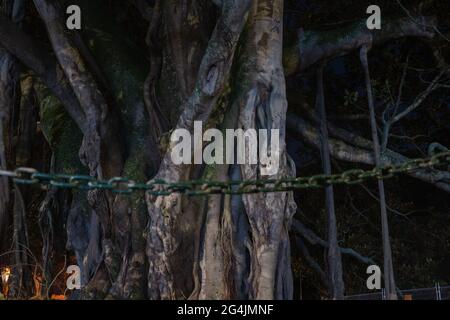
pixel 221 271
pixel 261 101
pixel 164 232
pixel 245 249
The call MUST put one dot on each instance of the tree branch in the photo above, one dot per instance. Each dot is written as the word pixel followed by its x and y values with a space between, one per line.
pixel 314 239
pixel 310 260
pixel 313 46
pixel 354 148
pixel 33 56
pixel 101 149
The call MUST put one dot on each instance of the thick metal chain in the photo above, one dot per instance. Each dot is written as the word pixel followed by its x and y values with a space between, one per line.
pixel 30 176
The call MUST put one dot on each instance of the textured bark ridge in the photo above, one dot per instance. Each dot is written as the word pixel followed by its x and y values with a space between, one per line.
pixel 165 212
pixel 223 270
pixel 101 150
pixel 12 198
pixel 7 83
pixel 261 103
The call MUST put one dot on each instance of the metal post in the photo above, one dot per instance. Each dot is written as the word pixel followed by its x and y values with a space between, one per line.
pixel 438 292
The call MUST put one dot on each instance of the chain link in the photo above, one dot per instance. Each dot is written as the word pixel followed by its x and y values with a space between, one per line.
pixel 157 187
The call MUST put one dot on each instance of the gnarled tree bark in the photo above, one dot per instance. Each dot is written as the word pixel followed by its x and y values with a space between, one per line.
pixel 162 245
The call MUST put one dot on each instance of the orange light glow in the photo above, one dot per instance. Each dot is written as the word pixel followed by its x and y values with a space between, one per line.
pixel 6 272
